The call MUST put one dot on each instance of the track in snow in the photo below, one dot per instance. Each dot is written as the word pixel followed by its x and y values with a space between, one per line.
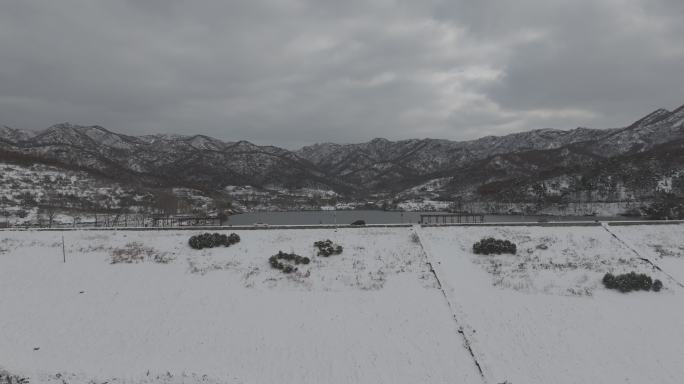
pixel 466 341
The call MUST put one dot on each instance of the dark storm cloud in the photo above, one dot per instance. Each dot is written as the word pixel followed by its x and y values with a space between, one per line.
pixel 289 72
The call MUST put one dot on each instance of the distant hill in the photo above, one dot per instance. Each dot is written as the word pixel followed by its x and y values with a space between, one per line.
pixel 617 163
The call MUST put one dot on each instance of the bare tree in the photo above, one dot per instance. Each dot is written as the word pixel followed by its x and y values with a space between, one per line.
pixel 50 213
pixel 50 204
pixel 77 219
pixel 224 208
pixel 5 213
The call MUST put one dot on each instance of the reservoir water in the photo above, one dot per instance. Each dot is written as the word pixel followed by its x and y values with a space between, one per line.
pixel 380 217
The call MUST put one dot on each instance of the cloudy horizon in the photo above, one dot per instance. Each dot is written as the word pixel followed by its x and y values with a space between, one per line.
pixel 292 73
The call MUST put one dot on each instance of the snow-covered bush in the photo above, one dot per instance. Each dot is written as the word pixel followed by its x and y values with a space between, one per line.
pixel 631 282
pixel 327 248
pixel 8 378
pixel 491 245
pixel 415 238
pixel 657 285
pixel 286 261
pixel 211 240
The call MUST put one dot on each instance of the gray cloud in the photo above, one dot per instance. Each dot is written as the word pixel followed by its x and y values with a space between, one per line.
pixel 291 72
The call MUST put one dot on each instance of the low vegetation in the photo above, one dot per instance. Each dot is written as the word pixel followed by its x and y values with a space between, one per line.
pixel 632 281
pixel 415 238
pixel 135 252
pixel 327 248
pixel 8 378
pixel 491 245
pixel 287 262
pixel 211 240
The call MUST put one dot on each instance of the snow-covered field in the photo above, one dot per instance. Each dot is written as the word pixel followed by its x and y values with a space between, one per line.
pixel 662 244
pixel 370 315
pixel 543 316
pixel 374 314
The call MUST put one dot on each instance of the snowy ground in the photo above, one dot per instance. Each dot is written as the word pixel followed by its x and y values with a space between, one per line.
pixel 662 244
pixel 543 317
pixel 374 314
pixel 370 315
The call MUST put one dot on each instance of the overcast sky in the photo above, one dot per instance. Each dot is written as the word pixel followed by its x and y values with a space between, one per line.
pixel 290 72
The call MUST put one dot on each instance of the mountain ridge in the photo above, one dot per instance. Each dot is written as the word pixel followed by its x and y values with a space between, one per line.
pixel 360 169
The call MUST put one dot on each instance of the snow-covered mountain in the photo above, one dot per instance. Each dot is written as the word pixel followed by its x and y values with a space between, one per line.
pixel 376 166
pixel 659 127
pixel 382 160
pixel 13 134
pixel 199 161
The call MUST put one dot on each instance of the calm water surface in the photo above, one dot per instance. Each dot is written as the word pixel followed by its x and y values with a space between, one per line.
pixel 378 217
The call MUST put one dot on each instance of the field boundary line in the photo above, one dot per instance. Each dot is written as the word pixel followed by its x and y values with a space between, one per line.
pixel 641 257
pixel 467 344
